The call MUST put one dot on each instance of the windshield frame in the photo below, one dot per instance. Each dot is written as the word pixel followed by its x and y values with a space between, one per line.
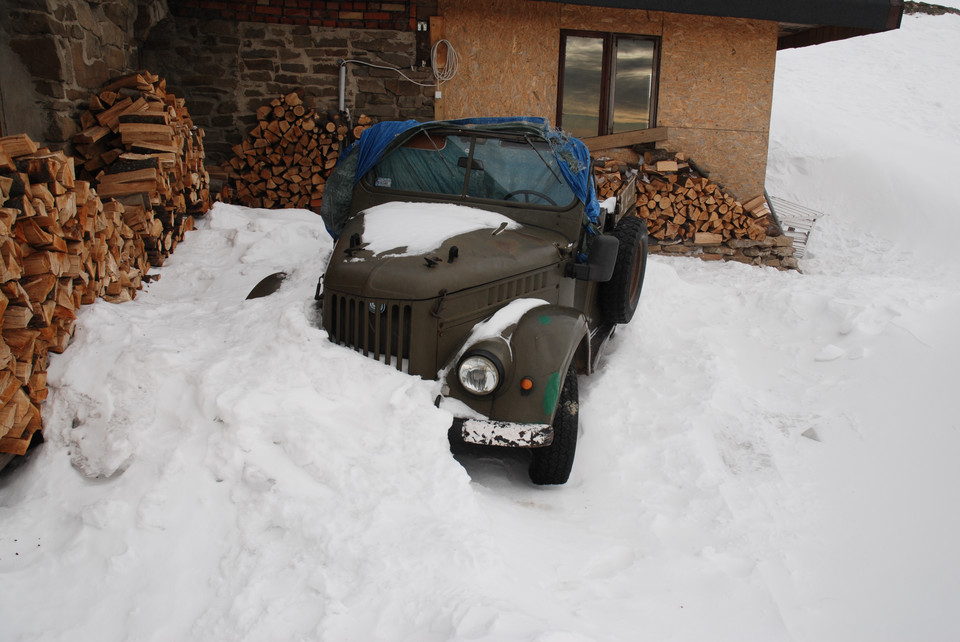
pixel 520 138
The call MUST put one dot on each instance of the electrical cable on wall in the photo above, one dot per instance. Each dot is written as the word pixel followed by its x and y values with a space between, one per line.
pixel 450 65
pixel 440 75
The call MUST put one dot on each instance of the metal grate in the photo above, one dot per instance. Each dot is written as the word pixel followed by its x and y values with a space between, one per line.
pixel 378 329
pixel 516 288
pixel 796 221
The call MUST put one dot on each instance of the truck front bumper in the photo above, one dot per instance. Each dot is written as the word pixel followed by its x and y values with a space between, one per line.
pixel 487 432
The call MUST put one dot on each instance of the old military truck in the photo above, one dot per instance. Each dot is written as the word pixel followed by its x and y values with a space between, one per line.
pixel 475 252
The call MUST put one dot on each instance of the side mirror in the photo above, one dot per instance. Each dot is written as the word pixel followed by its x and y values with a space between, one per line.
pixel 600 263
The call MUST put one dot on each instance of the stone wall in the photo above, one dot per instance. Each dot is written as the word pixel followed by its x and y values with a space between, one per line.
pixel 225 58
pixel 53 53
pixel 229 58
pixel 227 69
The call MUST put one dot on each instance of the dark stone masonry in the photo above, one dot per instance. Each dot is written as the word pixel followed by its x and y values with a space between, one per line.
pixel 225 58
pixel 228 69
pixel 53 53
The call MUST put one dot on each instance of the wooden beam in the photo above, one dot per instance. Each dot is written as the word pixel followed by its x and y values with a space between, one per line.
pixel 626 139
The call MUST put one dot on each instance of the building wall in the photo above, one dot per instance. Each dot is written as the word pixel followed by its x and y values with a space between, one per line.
pixel 507 53
pixel 229 58
pixel 225 58
pixel 716 75
pixel 716 93
pixel 398 15
pixel 53 53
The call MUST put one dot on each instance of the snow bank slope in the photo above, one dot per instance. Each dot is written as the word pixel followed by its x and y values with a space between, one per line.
pixel 231 467
pixel 867 130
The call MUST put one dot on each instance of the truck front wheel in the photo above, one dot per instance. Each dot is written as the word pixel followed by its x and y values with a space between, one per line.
pixel 552 464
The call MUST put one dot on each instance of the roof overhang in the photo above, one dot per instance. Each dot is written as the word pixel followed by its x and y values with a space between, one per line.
pixel 802 22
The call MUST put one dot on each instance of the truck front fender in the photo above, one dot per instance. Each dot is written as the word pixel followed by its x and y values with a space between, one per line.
pixel 535 354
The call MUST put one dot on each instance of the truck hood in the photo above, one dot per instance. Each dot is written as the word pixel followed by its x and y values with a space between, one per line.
pixel 379 268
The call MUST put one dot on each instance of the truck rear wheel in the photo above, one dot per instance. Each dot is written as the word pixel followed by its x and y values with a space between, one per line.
pixel 619 296
pixel 552 464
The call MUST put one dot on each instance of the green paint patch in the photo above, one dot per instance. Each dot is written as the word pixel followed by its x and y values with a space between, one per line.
pixel 551 393
pixel 545 319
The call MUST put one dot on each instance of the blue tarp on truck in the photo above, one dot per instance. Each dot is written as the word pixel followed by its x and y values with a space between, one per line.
pixel 572 157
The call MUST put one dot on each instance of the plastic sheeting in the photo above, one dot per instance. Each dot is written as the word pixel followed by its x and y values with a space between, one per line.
pixel 374 141
pixel 337 194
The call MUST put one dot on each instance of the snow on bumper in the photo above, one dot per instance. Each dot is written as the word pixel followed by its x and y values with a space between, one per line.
pixel 504 433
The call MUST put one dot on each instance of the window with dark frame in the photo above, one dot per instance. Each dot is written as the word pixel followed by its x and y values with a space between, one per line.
pixel 607 82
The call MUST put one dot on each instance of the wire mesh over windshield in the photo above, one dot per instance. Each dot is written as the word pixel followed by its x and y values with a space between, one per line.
pixel 519 170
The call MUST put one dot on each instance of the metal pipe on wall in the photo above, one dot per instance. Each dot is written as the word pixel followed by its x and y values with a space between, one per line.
pixel 343 82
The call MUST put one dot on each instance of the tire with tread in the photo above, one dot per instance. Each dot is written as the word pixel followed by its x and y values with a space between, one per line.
pixel 620 295
pixel 552 464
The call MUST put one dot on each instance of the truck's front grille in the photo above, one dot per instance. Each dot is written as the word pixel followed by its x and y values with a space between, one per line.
pixel 378 329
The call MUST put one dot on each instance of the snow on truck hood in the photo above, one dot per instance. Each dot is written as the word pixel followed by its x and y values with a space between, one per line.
pixel 411 229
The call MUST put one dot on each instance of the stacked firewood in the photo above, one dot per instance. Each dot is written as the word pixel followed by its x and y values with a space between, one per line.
pixel 687 213
pixel 140 147
pixel 610 177
pixel 286 158
pixel 61 246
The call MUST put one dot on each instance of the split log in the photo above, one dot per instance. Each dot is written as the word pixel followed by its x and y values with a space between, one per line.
pixel 144 150
pixel 682 207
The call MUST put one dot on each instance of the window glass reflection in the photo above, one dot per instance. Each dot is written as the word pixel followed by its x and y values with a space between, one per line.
pixel 582 67
pixel 608 83
pixel 632 85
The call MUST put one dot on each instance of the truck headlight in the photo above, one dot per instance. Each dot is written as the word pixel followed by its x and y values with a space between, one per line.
pixel 480 374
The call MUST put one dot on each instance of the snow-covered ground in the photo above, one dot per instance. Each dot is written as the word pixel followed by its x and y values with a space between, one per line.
pixel 765 455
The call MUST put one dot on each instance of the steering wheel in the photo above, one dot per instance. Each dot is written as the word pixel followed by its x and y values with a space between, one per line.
pixel 528 193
